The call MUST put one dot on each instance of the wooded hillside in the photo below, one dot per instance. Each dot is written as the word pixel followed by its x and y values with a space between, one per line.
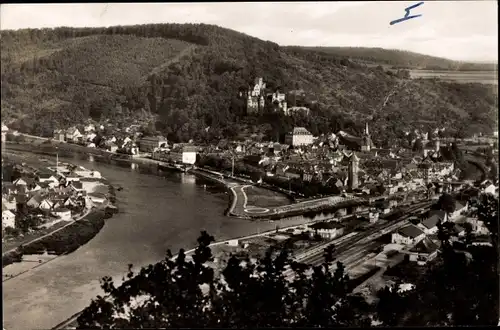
pixel 403 59
pixel 188 76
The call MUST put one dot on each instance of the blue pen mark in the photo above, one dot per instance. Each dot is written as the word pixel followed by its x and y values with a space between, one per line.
pixel 407 15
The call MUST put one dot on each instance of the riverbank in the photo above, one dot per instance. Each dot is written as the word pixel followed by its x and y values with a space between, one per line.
pixel 158 211
pixel 65 236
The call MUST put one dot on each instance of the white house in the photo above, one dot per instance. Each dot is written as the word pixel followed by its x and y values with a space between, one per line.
pixel 89 128
pixel 73 134
pixel 62 213
pixel 373 215
pixel 299 137
pixel 327 230
pixel 35 201
pixel 478 226
pixel 5 130
pixel 10 203
pixel 90 136
pixel 71 177
pixel 21 182
pixel 83 172
pixel 47 177
pixel 96 198
pixel 429 225
pixel 408 235
pixel 46 204
pixel 8 219
pixel 423 252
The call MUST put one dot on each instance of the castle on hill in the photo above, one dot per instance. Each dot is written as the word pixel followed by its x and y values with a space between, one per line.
pixel 256 98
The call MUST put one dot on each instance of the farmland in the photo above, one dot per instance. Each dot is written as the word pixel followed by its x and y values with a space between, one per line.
pixel 484 77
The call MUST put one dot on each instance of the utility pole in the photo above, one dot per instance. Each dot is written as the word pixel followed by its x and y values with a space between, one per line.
pixel 57 160
pixel 232 168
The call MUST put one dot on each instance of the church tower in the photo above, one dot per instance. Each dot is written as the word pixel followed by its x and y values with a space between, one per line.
pixel 353 171
pixel 367 141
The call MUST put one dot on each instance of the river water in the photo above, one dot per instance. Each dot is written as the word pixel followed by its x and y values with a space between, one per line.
pixel 156 213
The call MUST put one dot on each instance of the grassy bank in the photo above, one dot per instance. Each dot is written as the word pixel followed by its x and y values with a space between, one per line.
pixel 64 241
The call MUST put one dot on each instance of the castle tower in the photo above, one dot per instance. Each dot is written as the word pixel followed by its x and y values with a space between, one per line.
pixel 353 171
pixel 261 102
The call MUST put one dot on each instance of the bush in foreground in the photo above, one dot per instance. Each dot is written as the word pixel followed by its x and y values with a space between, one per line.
pixel 182 293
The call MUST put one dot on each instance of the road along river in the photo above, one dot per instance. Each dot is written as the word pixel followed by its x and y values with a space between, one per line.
pixel 156 213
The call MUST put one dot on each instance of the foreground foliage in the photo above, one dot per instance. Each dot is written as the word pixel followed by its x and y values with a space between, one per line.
pixel 459 289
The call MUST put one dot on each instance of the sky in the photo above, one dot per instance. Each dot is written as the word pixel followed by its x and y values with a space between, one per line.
pixel 458 30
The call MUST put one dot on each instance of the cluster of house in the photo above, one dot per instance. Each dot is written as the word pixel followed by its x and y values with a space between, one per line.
pixel 128 141
pixel 367 170
pixel 92 136
pixel 52 193
pixel 420 238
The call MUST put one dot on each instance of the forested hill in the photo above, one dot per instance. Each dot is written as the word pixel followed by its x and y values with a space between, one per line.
pixel 401 59
pixel 186 78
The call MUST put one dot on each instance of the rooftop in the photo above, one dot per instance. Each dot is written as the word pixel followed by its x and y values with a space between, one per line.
pixel 425 246
pixel 326 225
pixel 431 222
pixel 411 231
pixel 300 131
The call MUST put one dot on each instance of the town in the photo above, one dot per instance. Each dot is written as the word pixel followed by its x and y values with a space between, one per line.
pixel 405 194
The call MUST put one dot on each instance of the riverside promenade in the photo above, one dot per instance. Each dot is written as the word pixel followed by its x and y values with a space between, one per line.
pixel 239 203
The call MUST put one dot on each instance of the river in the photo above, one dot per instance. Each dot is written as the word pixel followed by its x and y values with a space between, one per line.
pixel 156 213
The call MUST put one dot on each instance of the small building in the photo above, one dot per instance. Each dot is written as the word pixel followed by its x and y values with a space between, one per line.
pixel 23 181
pixel 89 128
pixel 459 208
pixel 442 215
pixel 10 203
pixel 299 137
pixel 59 135
pixel 408 235
pixel 233 242
pixel 96 198
pixel 48 177
pixel 150 143
pixel 35 201
pixel 373 215
pixel 293 173
pixel 184 155
pixel 429 225
pixel 327 230
pixel 8 218
pixel 112 147
pixel 73 134
pixel 46 204
pixel 62 213
pixel 5 130
pixel 423 252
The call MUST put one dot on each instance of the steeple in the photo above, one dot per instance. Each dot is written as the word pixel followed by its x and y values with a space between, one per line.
pixel 366 129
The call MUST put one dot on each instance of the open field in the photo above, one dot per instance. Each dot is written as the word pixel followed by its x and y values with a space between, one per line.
pixel 261 197
pixel 484 77
pixel 12 243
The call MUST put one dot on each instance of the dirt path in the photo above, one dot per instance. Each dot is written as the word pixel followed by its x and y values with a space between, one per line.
pixel 52 232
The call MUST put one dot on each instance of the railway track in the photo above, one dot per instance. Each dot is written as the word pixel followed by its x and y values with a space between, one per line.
pixel 354 246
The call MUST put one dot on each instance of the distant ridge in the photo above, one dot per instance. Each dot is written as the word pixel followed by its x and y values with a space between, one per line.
pixel 402 59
